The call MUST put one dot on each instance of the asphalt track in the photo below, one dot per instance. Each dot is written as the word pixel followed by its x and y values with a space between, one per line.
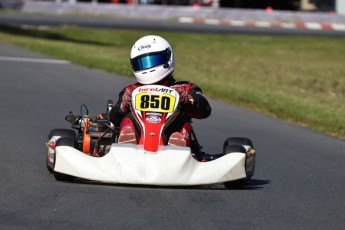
pixel 298 184
pixel 145 24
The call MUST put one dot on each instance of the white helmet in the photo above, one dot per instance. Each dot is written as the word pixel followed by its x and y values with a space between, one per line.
pixel 152 59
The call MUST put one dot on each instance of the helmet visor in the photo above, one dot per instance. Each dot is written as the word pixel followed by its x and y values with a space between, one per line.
pixel 150 60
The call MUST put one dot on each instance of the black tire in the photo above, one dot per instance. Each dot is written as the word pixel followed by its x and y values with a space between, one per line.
pixel 235 144
pixel 233 148
pixel 64 141
pixel 228 149
pixel 238 141
pixel 48 167
pixel 62 133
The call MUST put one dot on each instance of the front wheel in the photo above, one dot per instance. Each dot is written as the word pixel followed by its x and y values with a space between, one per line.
pixel 64 141
pixel 228 149
pixel 239 141
pixel 53 137
pixel 242 145
pixel 250 152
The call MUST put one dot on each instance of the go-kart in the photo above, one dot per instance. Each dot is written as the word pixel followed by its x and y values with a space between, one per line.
pixel 93 152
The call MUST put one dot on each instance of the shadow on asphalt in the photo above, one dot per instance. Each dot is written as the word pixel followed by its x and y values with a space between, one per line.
pixel 253 184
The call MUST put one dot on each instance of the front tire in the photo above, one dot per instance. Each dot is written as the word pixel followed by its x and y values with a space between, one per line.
pixel 238 141
pixel 243 145
pixel 228 149
pixel 62 133
pixel 64 141
pixel 56 134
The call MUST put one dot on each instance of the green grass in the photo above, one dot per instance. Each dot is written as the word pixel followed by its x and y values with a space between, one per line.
pixel 299 79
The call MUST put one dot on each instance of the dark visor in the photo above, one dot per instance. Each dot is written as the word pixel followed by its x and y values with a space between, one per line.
pixel 150 60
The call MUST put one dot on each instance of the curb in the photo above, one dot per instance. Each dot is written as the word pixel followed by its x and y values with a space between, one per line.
pixel 263 24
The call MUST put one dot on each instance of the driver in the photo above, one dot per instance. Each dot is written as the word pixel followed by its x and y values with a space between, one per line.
pixel 152 61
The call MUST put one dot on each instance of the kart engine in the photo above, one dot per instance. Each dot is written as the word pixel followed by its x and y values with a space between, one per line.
pixel 96 137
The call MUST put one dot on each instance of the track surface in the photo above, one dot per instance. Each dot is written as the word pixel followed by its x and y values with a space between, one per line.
pixel 299 180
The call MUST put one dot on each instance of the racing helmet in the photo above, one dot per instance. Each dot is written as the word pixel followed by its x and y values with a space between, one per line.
pixel 152 59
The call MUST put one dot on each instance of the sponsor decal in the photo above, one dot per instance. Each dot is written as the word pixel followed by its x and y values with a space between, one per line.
pixel 158 99
pixel 51 145
pixel 153 119
pixel 162 90
pixel 154 114
pixel 144 47
pixel 52 141
pixel 148 89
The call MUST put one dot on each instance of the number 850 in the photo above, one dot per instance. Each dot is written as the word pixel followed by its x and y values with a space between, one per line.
pixel 155 102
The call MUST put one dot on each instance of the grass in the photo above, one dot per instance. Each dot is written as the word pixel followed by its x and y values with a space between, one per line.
pixel 299 79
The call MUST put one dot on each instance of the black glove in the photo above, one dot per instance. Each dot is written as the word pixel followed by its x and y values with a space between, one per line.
pixel 116 115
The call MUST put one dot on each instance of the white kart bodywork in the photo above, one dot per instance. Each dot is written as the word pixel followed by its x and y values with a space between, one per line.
pixel 128 164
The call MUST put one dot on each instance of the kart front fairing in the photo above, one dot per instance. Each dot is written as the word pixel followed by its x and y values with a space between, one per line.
pixel 129 164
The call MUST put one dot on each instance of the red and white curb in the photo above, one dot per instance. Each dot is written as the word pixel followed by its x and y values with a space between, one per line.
pixel 262 24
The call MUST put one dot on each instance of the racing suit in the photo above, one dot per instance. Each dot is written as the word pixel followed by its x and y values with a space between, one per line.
pixel 194 105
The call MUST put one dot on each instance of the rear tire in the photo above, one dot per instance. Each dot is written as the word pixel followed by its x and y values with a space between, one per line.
pixel 64 141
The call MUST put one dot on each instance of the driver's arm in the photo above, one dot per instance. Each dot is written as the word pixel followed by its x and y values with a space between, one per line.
pixel 122 107
pixel 198 107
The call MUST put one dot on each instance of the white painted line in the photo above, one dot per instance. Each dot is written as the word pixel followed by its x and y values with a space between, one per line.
pixel 237 23
pixel 212 21
pixel 35 27
pixel 338 27
pixel 263 24
pixel 286 25
pixel 186 20
pixel 313 26
pixel 34 60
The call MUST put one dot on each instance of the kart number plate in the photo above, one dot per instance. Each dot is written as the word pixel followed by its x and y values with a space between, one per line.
pixel 163 103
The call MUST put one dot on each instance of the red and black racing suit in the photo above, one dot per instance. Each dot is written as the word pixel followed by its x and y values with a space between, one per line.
pixel 196 106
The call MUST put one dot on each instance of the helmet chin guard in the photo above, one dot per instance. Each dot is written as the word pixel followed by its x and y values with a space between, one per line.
pixel 152 59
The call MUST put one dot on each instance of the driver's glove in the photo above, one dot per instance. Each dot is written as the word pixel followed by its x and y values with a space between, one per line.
pixel 126 101
pixel 185 99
